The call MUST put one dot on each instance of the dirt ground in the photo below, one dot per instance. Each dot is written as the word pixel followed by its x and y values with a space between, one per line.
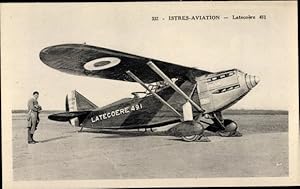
pixel 65 154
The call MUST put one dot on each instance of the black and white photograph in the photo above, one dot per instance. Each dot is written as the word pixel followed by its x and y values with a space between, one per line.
pixel 149 94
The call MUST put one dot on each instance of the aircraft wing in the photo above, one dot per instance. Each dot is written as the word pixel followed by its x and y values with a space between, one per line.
pixel 86 60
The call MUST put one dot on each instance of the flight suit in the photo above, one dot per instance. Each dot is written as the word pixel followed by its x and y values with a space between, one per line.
pixel 33 117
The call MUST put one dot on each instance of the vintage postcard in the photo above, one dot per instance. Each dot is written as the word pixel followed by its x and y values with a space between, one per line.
pixel 157 94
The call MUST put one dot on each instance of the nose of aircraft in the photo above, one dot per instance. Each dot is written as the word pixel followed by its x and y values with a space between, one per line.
pixel 252 81
pixel 256 79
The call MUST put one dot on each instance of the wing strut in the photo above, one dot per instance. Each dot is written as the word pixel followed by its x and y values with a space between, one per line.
pixel 173 85
pixel 152 92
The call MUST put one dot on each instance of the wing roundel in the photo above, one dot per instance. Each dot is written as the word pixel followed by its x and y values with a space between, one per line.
pixel 81 59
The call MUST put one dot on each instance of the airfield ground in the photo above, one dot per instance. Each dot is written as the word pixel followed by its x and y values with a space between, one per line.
pixel 65 154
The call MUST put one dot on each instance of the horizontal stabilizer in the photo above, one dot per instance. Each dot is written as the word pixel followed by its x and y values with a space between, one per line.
pixel 66 116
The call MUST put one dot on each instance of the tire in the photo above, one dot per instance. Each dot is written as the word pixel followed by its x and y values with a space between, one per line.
pixel 230 128
pixel 194 136
pixel 191 138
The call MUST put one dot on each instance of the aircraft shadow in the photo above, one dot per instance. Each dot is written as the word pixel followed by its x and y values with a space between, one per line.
pixel 131 133
pixel 55 138
pixel 126 134
pixel 176 139
pixel 209 133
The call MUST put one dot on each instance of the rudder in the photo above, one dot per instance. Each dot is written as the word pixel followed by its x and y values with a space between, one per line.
pixel 77 102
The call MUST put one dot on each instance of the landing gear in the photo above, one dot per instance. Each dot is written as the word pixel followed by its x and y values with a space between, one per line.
pixel 196 138
pixel 230 129
pixel 81 129
pixel 190 131
pixel 223 127
pixel 191 138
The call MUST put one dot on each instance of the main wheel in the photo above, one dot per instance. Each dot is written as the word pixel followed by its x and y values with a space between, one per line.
pixel 197 133
pixel 230 129
pixel 191 138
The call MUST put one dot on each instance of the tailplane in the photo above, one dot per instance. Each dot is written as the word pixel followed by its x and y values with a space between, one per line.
pixel 77 108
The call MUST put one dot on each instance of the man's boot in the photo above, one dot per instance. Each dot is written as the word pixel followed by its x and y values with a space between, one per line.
pixel 30 140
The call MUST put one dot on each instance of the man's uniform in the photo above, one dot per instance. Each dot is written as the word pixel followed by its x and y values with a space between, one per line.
pixel 33 117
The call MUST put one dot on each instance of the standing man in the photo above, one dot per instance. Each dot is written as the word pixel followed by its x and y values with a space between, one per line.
pixel 33 116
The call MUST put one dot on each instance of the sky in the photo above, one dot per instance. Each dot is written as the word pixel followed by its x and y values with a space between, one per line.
pixel 263 47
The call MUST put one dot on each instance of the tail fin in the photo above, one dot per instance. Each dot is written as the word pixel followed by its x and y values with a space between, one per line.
pixel 77 107
pixel 77 102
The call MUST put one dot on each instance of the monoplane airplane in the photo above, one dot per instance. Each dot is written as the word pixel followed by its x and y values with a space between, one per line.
pixel 190 97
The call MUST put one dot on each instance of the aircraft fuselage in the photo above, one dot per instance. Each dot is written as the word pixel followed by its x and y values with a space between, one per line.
pixel 214 93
